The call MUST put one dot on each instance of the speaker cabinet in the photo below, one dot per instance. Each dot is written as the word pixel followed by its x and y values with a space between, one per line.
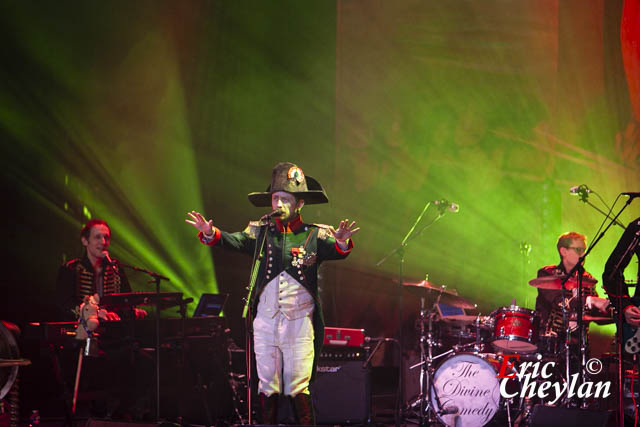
pixel 544 416
pixel 341 392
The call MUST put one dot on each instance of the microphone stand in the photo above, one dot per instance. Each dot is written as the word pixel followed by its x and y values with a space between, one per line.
pixel 584 197
pixel 247 315
pixel 400 250
pixel 619 317
pixel 157 278
pixel 618 304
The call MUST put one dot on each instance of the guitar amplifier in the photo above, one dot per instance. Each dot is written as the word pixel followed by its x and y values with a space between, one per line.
pixel 342 387
pixel 342 392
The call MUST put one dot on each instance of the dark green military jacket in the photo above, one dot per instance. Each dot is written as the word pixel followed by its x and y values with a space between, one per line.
pixel 296 248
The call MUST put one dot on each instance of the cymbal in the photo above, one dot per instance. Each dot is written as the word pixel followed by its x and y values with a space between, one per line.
pixel 429 286
pixel 430 290
pixel 555 282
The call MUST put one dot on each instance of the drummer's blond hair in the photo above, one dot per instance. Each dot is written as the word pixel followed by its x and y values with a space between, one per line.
pixel 565 239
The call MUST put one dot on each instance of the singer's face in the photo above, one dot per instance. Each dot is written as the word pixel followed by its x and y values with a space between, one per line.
pixel 286 202
pixel 99 239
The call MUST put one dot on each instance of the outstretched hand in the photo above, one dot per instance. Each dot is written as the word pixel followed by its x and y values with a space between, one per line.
pixel 198 221
pixel 344 231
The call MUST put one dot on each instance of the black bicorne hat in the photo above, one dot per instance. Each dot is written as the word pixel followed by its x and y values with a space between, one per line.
pixel 290 178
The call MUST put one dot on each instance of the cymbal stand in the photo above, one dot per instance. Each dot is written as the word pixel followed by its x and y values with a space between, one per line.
pixel 426 361
pixel 477 347
pixel 618 298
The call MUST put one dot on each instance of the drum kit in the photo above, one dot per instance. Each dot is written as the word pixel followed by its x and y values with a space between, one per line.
pixel 460 386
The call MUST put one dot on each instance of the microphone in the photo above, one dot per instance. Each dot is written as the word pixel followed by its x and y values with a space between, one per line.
pixel 632 195
pixel 276 212
pixel 108 258
pixel 579 190
pixel 443 204
pixel 449 410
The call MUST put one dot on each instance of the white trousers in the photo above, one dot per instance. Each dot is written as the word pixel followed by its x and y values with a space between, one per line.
pixel 284 354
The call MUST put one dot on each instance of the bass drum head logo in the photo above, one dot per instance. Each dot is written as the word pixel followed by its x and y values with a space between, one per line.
pixel 466 389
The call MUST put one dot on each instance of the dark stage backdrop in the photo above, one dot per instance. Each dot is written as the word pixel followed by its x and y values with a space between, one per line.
pixel 137 112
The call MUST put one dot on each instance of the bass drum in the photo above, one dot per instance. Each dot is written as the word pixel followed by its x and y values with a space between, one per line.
pixel 465 391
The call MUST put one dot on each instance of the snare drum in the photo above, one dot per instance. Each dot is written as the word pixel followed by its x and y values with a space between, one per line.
pixel 465 387
pixel 515 329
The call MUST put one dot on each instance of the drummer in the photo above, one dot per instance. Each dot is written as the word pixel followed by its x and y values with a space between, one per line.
pixel 571 246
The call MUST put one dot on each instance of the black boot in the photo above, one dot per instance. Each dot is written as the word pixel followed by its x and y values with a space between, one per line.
pixel 303 408
pixel 269 408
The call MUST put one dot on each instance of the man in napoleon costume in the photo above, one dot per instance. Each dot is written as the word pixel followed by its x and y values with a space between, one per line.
pixel 288 325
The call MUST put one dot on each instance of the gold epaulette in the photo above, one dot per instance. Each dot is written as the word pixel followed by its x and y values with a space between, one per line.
pixel 252 230
pixel 324 231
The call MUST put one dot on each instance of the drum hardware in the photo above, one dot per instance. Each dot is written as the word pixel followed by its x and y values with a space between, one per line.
pixel 446 353
pixel 567 328
pixel 548 345
pixel 565 283
pixel 570 321
pixel 427 340
pixel 426 358
pixel 427 413
pixel 478 324
pixel 463 347
pixel 523 418
pixel 508 404
pixel 428 402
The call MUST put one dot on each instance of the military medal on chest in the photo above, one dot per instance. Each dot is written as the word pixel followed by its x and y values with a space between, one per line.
pixel 301 257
